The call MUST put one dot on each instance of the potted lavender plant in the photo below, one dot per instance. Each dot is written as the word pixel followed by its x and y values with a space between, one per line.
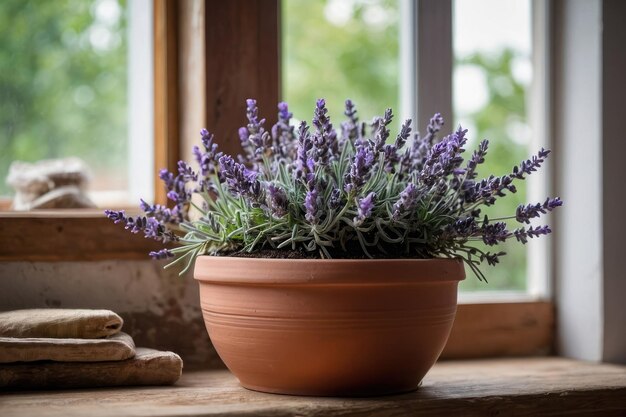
pixel 328 261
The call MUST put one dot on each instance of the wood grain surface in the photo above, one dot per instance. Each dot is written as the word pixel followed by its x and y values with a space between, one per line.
pixel 524 387
pixel 68 235
pixel 483 330
pixel 242 61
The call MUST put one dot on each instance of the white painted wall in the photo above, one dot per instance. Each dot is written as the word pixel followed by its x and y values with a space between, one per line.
pixel 589 112
pixel 578 153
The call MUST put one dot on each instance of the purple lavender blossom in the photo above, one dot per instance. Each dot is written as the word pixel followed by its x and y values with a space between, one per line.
pixel 406 202
pixel 364 208
pixel 350 127
pixel 283 138
pixel 434 125
pixel 254 139
pixel 464 227
pixel 240 180
pixel 310 206
pixel 478 157
pixel 524 213
pixel 186 172
pixel 325 145
pixel 414 160
pixel 301 164
pixel 380 130
pixel 405 132
pixel 207 159
pixel 151 227
pixel 488 189
pixel 155 230
pixel 392 157
pixel 175 186
pixel 160 212
pixel 530 165
pixel 494 233
pixel 359 169
pixel 116 216
pixel 443 158
pixel 523 234
pixel 161 254
pixel 334 202
pixel 277 201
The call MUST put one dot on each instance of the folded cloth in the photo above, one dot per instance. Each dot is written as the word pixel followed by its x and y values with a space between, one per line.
pixel 113 348
pixel 148 367
pixel 60 323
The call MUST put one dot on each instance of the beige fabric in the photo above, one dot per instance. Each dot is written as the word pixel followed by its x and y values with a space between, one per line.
pixel 113 348
pixel 60 323
pixel 148 367
pixel 51 183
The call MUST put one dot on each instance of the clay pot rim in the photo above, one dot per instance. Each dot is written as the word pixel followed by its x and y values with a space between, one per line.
pixel 262 271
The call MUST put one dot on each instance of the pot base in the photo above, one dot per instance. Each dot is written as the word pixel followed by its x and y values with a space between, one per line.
pixel 374 392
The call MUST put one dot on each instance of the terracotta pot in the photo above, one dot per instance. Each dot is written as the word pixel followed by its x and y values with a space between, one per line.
pixel 328 327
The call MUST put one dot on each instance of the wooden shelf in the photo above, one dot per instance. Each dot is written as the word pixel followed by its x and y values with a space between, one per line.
pixel 68 235
pixel 537 386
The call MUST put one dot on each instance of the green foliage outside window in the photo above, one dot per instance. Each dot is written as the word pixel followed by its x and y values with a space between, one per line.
pixel 63 84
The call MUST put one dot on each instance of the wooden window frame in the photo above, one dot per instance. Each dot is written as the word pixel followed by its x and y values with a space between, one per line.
pixel 204 81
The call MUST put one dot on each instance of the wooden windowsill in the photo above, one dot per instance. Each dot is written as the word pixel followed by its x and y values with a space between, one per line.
pixel 68 235
pixel 538 386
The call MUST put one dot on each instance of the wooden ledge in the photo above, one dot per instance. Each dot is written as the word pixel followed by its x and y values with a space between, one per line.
pixel 68 235
pixel 538 386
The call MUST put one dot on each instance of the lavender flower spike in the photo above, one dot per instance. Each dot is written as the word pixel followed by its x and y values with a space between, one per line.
pixel 277 200
pixel 161 254
pixel 523 214
pixel 325 138
pixel 240 180
pixel 522 234
pixel 359 169
pixel 116 216
pixel 364 208
pixel 310 206
pixel 407 200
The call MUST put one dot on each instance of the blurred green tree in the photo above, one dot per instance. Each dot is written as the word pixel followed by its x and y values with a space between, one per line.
pixel 63 84
pixel 505 108
pixel 337 50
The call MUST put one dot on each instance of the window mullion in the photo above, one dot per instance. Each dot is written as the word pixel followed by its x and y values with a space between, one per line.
pixel 433 60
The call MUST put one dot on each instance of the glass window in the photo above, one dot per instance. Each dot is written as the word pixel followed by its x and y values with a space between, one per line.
pixel 492 77
pixel 339 49
pixel 64 88
pixel 350 48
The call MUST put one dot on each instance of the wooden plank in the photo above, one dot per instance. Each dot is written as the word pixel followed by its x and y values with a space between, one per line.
pixel 68 236
pixel 501 329
pixel 166 91
pixel 242 61
pixel 525 387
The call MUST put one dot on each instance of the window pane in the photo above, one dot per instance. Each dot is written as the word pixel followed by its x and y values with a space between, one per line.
pixel 339 49
pixel 492 76
pixel 63 86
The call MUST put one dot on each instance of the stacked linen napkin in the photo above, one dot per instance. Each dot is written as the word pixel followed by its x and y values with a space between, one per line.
pixel 58 348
